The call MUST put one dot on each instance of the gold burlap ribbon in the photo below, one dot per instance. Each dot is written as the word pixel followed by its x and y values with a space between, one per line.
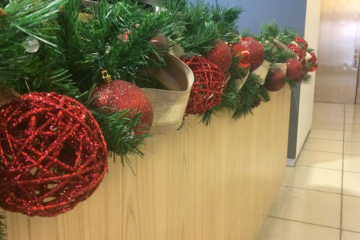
pixel 169 105
pixel 262 71
pixel 6 95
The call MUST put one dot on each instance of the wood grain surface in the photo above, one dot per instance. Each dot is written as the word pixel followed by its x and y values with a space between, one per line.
pixel 201 183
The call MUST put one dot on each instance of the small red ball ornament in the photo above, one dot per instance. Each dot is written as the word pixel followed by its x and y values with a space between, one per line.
pixel 239 50
pixel 257 54
pixel 221 55
pixel 121 95
pixel 208 87
pixel 52 154
pixel 275 80
pixel 299 52
pixel 302 43
pixel 294 69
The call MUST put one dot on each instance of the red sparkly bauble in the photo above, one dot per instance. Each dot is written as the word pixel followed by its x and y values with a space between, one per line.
pixel 275 80
pixel 52 154
pixel 121 95
pixel 221 55
pixel 257 54
pixel 208 87
pixel 294 69
pixel 299 52
pixel 312 63
pixel 302 43
pixel 238 50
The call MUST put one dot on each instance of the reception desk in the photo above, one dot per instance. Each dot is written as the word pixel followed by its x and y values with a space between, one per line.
pixel 201 183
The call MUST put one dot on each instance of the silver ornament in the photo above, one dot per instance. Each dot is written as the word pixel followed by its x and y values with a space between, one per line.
pixel 31 45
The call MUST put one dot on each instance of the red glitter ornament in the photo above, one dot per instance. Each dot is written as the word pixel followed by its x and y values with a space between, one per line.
pixel 121 95
pixel 294 69
pixel 257 54
pixel 239 50
pixel 312 62
pixel 275 80
pixel 302 43
pixel 221 55
pixel 52 154
pixel 209 85
pixel 299 52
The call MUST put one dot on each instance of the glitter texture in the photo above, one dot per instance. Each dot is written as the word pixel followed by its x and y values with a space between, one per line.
pixel 238 50
pixel 121 95
pixel 52 154
pixel 294 69
pixel 299 52
pixel 221 55
pixel 257 54
pixel 208 87
pixel 301 42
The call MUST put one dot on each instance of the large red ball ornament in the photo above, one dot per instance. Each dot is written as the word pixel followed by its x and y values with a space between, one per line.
pixel 294 69
pixel 121 95
pixel 52 154
pixel 208 87
pixel 221 55
pixel 275 80
pixel 256 50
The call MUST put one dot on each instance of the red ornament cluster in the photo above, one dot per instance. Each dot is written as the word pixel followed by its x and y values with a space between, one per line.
pixel 208 87
pixel 239 50
pixel 52 154
pixel 256 50
pixel 301 53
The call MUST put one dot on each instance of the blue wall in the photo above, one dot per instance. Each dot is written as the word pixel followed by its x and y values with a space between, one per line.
pixel 287 13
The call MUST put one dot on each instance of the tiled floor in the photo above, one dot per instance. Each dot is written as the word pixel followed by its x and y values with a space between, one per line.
pixel 320 197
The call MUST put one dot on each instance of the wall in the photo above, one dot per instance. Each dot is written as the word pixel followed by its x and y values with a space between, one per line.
pixel 312 27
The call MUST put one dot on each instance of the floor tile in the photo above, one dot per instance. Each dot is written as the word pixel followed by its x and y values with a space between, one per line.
pixel 314 178
pixel 352 163
pixel 320 159
pixel 307 206
pixel 351 184
pixel 352 148
pixel 350 235
pixel 352 136
pixel 335 126
pixel 351 213
pixel 326 134
pixel 279 229
pixel 324 145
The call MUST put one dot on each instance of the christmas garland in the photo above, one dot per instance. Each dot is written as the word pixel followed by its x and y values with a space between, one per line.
pixel 61 111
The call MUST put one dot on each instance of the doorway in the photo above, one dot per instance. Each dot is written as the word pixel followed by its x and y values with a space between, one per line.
pixel 339 45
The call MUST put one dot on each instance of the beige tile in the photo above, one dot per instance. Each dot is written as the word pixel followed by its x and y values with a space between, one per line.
pixel 352 136
pixel 314 179
pixel 326 134
pixel 352 118
pixel 334 126
pixel 307 206
pixel 351 184
pixel 320 159
pixel 351 213
pixel 352 127
pixel 350 235
pixel 352 163
pixel 324 145
pixel 352 148
pixel 279 229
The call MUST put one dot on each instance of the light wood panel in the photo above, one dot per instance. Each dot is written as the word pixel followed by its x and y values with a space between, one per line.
pixel 201 183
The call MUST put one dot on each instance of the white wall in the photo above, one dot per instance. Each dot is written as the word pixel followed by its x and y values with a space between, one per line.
pixel 312 24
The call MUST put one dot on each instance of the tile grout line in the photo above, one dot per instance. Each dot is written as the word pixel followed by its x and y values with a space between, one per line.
pixel 342 176
pixel 298 221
